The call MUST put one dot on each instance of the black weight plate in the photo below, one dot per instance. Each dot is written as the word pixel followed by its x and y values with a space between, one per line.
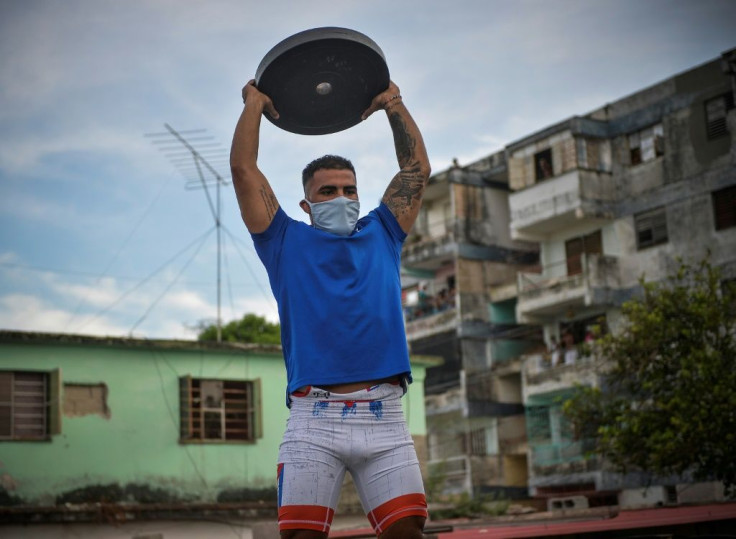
pixel 321 80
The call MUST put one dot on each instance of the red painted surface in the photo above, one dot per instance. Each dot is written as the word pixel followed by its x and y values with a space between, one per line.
pixel 625 520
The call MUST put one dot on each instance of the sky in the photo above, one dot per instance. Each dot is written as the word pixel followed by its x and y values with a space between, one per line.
pixel 101 232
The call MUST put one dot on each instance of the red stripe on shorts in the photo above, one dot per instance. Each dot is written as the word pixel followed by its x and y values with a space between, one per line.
pixel 407 505
pixel 305 517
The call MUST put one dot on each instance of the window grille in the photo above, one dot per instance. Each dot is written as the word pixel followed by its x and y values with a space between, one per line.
pixel 219 410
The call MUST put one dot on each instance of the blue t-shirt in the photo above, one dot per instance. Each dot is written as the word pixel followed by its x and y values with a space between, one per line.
pixel 339 299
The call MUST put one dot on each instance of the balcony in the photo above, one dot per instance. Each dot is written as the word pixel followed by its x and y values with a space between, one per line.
pixel 512 435
pixel 542 377
pixel 565 451
pixel 555 204
pixel 429 252
pixel 547 294
pixel 432 324
pixel 450 401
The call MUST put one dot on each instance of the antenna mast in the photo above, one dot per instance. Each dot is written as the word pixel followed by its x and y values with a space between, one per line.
pixel 190 160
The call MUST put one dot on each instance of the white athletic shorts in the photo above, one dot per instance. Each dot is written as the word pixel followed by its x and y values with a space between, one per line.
pixel 363 432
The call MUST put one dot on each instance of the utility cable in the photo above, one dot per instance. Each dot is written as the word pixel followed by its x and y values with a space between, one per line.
pixel 145 280
pixel 57 271
pixel 247 265
pixel 120 250
pixel 173 416
pixel 172 283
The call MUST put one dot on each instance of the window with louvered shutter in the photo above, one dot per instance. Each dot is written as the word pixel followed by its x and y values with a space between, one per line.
pixel 651 228
pixel 716 111
pixel 24 406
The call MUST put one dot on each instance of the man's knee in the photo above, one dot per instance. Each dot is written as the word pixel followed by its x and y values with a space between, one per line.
pixel 405 528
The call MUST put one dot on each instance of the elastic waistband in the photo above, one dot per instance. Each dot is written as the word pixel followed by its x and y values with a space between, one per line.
pixel 377 392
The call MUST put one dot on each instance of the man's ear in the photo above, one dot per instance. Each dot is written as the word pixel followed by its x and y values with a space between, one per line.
pixel 304 206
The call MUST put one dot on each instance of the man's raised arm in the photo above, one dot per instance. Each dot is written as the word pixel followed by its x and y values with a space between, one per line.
pixel 256 199
pixel 404 194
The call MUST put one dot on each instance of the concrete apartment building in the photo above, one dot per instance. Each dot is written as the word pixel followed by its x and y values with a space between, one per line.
pixel 460 266
pixel 605 197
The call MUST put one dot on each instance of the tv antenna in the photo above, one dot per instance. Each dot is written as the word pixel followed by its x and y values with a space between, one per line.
pixel 198 165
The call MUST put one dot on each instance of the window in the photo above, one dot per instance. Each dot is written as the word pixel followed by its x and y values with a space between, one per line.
pixel 728 291
pixel 543 164
pixel 219 410
pixel 28 405
pixel 575 248
pixel 478 442
pixel 581 148
pixel 593 154
pixel 538 426
pixel 724 207
pixel 646 144
pixel 651 228
pixel 716 111
pixel 579 329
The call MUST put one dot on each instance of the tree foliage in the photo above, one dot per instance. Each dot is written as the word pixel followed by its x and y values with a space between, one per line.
pixel 249 329
pixel 667 404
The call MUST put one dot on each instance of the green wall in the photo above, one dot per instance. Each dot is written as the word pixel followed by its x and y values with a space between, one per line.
pixel 135 452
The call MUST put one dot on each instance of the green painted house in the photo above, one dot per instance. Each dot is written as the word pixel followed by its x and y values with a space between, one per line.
pixel 115 420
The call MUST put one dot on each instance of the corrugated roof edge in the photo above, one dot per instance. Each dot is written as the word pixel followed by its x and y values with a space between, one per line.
pixel 35 337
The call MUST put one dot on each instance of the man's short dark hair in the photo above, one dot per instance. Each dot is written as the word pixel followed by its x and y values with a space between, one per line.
pixel 328 162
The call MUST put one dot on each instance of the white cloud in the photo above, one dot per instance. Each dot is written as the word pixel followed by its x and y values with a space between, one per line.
pixel 81 82
pixel 100 294
pixel 29 313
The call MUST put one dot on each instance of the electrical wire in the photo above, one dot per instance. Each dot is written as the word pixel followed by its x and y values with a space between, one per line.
pixel 143 281
pixel 172 283
pixel 120 249
pixel 92 274
pixel 266 294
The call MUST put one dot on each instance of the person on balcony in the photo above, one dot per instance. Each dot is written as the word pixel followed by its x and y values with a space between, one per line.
pixel 555 350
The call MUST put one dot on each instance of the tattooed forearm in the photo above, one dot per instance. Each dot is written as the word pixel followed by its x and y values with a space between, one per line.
pixel 403 140
pixel 404 194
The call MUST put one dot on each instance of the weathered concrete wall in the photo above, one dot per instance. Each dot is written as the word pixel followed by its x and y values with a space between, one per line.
pixel 119 442
pixel 128 448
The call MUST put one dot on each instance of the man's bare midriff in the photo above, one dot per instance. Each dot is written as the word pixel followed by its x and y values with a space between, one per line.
pixel 356 386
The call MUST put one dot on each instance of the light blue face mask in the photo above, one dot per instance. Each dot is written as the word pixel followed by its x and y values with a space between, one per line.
pixel 337 216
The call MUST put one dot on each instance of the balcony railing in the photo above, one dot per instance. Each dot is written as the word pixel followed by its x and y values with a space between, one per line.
pixel 422 247
pixel 555 286
pixel 451 400
pixel 550 454
pixel 548 206
pixel 439 322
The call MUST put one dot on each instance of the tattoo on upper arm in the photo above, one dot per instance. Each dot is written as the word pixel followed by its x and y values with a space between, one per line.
pixel 269 201
pixel 405 189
